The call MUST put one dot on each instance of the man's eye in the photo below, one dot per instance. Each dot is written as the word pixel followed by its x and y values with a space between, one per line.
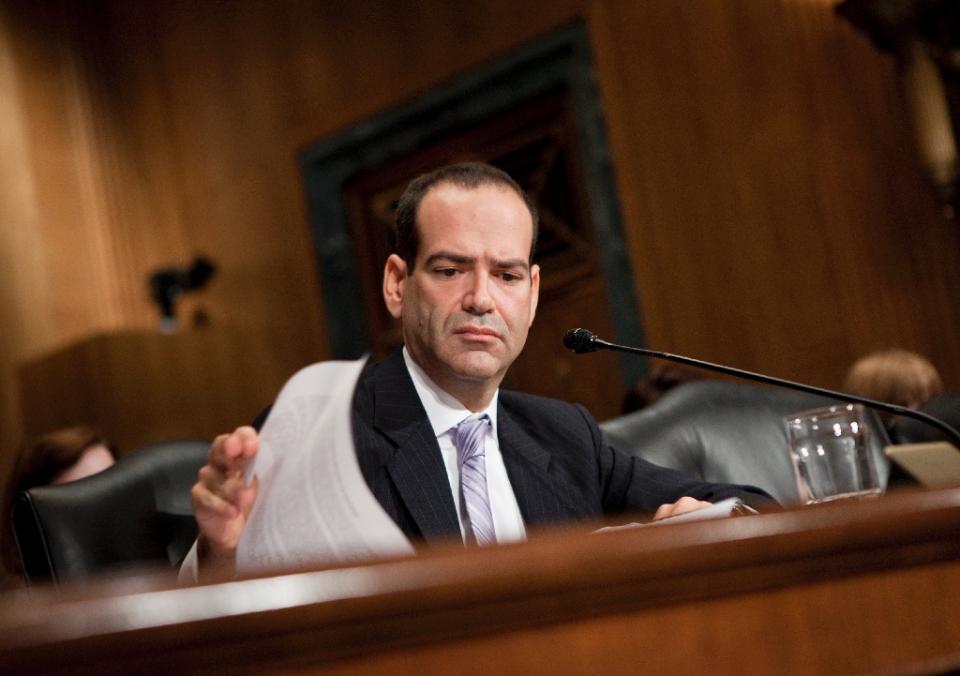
pixel 510 276
pixel 446 272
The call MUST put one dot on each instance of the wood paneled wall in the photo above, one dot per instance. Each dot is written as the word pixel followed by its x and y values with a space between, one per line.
pixel 774 213
pixel 777 218
pixel 57 279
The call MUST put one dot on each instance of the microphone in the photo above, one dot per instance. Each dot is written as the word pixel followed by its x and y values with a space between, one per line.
pixel 582 340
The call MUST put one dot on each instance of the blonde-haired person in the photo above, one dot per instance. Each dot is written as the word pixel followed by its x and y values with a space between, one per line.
pixel 895 376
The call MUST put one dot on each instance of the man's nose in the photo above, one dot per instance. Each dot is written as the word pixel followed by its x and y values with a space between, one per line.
pixel 477 299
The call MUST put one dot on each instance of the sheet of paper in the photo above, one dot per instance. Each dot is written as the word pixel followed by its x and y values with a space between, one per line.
pixel 313 504
pixel 718 510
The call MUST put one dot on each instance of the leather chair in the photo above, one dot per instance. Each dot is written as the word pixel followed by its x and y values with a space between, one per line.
pixel 135 514
pixel 944 406
pixel 727 432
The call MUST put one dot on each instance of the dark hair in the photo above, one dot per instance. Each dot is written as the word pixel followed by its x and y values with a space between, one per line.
pixel 661 379
pixel 44 458
pixel 38 464
pixel 463 175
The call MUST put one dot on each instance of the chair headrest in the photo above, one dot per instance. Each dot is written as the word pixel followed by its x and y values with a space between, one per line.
pixel 136 511
pixel 723 431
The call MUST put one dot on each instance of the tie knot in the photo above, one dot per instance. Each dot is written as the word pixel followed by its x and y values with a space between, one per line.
pixel 468 436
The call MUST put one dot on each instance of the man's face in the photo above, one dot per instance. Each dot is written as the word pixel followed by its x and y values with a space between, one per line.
pixel 471 298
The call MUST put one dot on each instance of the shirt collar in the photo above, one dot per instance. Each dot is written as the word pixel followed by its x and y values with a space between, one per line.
pixel 443 409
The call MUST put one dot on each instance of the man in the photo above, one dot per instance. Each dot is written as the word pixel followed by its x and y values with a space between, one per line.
pixel 465 289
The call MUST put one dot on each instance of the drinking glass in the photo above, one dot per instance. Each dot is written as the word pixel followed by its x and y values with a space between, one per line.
pixel 832 454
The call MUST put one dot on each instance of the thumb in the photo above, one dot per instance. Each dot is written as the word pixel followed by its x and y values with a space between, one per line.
pixel 249 496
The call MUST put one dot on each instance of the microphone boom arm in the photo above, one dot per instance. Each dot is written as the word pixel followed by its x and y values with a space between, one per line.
pixel 600 344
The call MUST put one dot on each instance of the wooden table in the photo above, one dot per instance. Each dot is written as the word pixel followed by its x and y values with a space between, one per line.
pixel 860 587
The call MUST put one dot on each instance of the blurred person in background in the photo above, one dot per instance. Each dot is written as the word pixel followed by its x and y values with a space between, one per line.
pixel 661 379
pixel 895 376
pixel 899 377
pixel 55 458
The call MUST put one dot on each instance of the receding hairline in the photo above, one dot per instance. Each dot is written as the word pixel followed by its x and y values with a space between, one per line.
pixel 471 186
pixel 465 176
pixel 467 188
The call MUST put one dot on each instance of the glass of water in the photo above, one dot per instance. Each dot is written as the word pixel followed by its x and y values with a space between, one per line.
pixel 832 454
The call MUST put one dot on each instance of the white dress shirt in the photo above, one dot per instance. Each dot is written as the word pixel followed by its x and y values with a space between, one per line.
pixel 444 413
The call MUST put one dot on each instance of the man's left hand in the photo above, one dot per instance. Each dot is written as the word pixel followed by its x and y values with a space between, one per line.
pixel 681 506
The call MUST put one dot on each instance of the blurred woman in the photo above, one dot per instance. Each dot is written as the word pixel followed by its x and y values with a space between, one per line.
pixel 55 458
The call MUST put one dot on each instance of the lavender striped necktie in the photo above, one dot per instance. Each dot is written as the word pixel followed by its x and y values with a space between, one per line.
pixel 468 438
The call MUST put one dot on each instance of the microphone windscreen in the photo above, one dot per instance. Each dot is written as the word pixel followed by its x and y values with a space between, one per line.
pixel 579 340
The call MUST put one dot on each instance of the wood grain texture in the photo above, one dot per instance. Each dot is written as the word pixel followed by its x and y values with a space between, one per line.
pixel 774 214
pixel 866 587
pixel 139 387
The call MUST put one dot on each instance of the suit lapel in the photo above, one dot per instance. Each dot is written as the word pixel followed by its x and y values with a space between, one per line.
pixel 539 492
pixel 416 466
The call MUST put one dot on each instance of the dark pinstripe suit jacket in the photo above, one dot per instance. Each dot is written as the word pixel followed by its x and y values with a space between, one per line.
pixel 557 463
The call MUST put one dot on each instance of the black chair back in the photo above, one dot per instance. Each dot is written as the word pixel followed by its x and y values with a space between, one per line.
pixel 944 406
pixel 726 432
pixel 136 513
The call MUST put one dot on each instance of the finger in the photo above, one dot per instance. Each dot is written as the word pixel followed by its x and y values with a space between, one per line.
pixel 227 487
pixel 688 504
pixel 233 490
pixel 207 504
pixel 211 478
pixel 240 447
pixel 250 441
pixel 216 457
pixel 247 496
pixel 681 506
pixel 232 452
pixel 663 511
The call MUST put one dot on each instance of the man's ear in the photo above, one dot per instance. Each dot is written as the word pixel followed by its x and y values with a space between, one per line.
pixel 534 291
pixel 394 281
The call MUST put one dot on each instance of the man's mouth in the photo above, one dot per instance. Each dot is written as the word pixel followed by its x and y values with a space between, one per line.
pixel 477 332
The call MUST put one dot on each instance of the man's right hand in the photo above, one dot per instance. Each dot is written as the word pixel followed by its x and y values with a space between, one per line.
pixel 222 501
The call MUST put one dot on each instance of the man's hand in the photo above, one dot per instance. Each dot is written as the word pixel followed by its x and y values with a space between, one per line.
pixel 222 501
pixel 681 506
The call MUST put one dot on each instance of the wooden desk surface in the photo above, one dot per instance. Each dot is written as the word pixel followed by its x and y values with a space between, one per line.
pixel 870 586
